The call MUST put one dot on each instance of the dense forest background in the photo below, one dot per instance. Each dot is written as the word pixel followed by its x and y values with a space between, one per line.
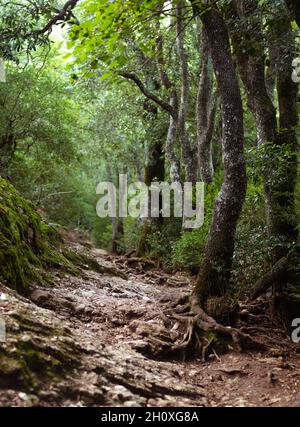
pixel 161 91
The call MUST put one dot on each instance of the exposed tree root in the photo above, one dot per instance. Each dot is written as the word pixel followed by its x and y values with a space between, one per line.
pixel 195 333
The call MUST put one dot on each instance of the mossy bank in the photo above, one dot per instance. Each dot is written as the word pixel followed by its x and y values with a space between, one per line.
pixel 28 245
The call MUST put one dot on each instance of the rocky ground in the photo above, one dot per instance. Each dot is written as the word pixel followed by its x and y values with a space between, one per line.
pixel 83 342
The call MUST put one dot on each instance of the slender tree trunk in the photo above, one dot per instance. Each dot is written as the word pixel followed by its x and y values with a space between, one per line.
pixel 214 274
pixel 117 234
pixel 171 140
pixel 173 114
pixel 205 114
pixel 116 222
pixel 271 69
pixel 154 167
pixel 188 153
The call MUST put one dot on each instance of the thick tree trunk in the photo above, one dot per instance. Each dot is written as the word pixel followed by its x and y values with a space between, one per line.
pixel 287 290
pixel 214 274
pixel 287 91
pixel 279 142
pixel 279 176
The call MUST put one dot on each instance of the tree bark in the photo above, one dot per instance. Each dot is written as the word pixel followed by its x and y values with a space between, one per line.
pixel 171 141
pixel 279 177
pixel 154 169
pixel 173 118
pixel 205 114
pixel 214 273
pixel 279 140
pixel 188 152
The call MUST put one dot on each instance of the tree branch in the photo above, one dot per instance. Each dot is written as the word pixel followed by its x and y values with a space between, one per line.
pixel 163 104
pixel 62 15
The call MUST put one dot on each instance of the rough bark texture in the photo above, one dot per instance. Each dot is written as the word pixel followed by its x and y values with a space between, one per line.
pixel 173 118
pixel 188 152
pixel 154 168
pixel 171 141
pixel 279 182
pixel 118 232
pixel 281 171
pixel 214 272
pixel 271 69
pixel 205 114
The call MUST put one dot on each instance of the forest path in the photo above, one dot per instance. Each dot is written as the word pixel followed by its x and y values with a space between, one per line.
pixel 102 322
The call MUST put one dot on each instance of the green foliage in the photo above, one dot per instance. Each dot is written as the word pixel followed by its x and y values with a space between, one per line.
pixel 253 245
pixel 106 31
pixel 188 250
pixel 37 112
pixel 19 22
pixel 270 160
pixel 161 240
pixel 102 233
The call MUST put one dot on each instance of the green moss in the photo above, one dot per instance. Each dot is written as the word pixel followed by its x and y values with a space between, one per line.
pixel 28 246
pixel 33 361
pixel 13 369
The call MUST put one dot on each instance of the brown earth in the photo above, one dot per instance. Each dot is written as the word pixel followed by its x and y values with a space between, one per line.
pixel 84 342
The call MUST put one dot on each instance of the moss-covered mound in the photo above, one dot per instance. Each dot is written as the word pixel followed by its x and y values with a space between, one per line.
pixel 28 246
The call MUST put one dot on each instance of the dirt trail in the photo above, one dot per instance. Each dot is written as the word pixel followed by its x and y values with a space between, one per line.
pixel 94 349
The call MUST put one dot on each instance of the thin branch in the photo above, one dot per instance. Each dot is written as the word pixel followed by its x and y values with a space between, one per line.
pixel 62 15
pixel 163 104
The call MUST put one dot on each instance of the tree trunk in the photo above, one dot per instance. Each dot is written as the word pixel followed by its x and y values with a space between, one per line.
pixel 279 142
pixel 279 177
pixel 154 168
pixel 214 274
pixel 205 114
pixel 171 141
pixel 188 152
pixel 117 234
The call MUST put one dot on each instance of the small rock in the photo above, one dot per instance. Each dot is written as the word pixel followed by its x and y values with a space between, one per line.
pixel 79 309
pixel 132 404
pixel 23 396
pixel 25 338
pixel 88 293
pixel 39 297
pixel 3 297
